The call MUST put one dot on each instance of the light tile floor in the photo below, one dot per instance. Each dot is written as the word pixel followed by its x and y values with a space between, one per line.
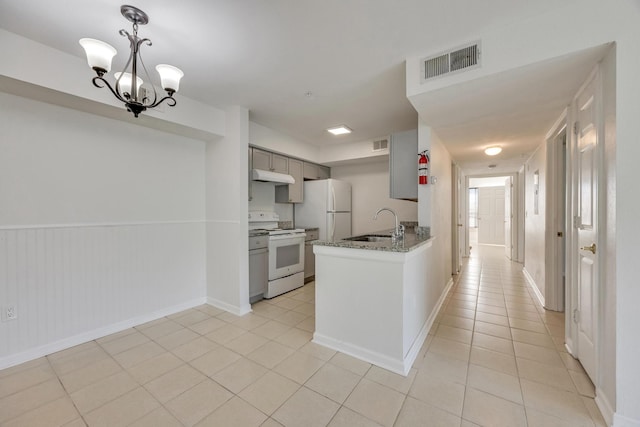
pixel 493 358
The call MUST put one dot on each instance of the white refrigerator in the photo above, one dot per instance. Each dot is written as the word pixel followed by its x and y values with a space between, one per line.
pixel 327 205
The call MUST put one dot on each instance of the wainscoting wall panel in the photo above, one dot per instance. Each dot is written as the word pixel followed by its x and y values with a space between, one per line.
pixel 69 283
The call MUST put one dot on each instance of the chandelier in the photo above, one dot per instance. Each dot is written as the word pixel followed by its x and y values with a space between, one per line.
pixel 139 96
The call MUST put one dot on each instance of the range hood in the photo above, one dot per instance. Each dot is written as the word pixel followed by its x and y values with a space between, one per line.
pixel 268 176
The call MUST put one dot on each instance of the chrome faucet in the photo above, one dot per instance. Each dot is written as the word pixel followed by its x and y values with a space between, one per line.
pixel 398 232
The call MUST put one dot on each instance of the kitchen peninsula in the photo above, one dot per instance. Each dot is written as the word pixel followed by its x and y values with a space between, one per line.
pixel 374 299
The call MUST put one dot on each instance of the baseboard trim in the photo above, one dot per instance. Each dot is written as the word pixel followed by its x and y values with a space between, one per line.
pixel 233 309
pixel 605 407
pixel 378 359
pixel 533 286
pixel 65 343
pixel 414 350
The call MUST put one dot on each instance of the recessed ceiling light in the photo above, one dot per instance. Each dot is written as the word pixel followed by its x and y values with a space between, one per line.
pixel 492 151
pixel 339 130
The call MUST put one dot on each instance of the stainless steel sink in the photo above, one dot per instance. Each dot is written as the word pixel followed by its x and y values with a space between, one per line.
pixel 369 238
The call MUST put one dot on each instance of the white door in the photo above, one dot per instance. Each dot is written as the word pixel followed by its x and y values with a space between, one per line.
pixel 491 215
pixel 463 215
pixel 587 226
pixel 457 243
pixel 507 217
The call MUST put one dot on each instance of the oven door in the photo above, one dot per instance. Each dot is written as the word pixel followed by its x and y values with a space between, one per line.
pixel 286 255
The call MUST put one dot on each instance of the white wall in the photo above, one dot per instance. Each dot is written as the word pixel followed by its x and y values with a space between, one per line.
pixel 370 192
pixel 273 140
pixel 227 207
pixel 534 224
pixel 101 226
pixel 435 208
pixel 440 208
pixel 362 151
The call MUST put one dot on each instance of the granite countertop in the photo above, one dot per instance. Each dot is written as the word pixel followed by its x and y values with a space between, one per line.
pixel 410 242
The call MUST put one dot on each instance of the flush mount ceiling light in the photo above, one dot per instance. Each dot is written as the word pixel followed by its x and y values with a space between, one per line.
pixel 339 130
pixel 140 96
pixel 492 151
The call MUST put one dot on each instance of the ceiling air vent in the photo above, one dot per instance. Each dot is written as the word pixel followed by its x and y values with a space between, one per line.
pixel 380 145
pixel 462 58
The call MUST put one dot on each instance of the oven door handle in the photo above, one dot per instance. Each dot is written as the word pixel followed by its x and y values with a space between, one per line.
pixel 296 236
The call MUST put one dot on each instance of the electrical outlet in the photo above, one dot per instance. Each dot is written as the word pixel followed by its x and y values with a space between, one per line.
pixel 9 312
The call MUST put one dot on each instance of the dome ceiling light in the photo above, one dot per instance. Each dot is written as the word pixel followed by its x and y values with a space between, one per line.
pixel 136 97
pixel 492 151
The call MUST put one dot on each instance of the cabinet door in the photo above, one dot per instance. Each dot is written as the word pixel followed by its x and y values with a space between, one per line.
pixel 403 165
pixel 295 190
pixel 309 261
pixel 261 159
pixel 310 171
pixel 324 172
pixel 291 193
pixel 279 163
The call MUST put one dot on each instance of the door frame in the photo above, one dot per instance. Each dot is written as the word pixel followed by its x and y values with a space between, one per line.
pixel 517 209
pixel 557 205
pixel 458 219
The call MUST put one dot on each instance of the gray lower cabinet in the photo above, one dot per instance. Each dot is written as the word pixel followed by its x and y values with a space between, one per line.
pixel 403 165
pixel 309 257
pixel 258 267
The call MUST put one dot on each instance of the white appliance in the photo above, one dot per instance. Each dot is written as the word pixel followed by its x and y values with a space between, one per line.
pixel 327 205
pixel 286 253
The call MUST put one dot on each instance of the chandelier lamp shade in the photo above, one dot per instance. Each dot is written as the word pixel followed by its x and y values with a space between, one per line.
pixel 142 95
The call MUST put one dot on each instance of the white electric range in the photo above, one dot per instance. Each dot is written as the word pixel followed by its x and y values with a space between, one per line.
pixel 286 252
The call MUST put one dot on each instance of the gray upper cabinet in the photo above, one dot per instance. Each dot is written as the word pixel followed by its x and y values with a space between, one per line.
pixel 261 159
pixel 324 172
pixel 270 161
pixel 314 171
pixel 403 165
pixel 310 170
pixel 292 193
pixel 280 163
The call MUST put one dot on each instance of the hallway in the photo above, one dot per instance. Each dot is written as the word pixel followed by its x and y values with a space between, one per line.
pixel 499 357
pixel 494 358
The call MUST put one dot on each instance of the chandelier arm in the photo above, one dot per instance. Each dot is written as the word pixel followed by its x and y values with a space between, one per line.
pixel 144 68
pixel 171 102
pixel 106 83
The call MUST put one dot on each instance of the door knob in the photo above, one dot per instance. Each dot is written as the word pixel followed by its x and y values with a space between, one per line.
pixel 459 225
pixel 591 248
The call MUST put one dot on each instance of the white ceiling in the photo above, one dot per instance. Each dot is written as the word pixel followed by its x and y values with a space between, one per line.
pixel 266 55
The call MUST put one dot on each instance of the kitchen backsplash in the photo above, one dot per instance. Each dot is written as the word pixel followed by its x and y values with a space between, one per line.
pixel 264 200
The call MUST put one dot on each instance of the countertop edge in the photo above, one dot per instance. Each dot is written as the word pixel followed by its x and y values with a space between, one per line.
pixel 408 244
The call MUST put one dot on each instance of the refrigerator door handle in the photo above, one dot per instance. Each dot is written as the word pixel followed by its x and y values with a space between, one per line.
pixel 333 198
pixel 332 227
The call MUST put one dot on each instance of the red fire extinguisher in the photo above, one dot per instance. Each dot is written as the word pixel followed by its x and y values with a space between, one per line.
pixel 423 167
